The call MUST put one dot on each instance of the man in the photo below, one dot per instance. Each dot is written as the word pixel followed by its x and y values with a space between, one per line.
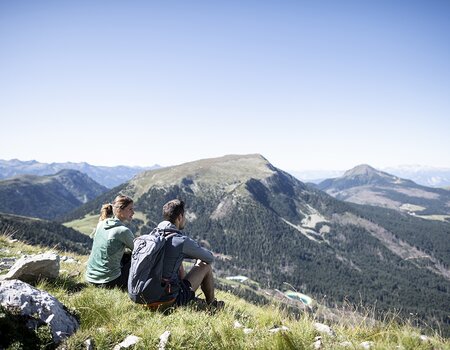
pixel 182 287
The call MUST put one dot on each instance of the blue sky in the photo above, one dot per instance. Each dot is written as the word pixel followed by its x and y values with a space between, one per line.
pixel 308 84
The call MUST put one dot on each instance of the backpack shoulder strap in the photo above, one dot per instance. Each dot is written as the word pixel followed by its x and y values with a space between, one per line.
pixel 170 232
pixel 166 237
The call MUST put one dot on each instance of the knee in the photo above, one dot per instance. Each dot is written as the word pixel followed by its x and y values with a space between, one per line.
pixel 204 266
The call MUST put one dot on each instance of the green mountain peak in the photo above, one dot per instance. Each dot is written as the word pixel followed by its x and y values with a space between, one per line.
pixel 222 172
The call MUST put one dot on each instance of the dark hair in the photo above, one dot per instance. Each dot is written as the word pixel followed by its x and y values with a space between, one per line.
pixel 172 209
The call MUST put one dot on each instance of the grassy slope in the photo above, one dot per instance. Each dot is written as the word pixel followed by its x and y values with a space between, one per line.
pixel 85 225
pixel 108 316
pixel 89 222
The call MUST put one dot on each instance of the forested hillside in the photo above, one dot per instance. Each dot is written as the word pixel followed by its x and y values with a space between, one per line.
pixel 47 197
pixel 45 233
pixel 265 224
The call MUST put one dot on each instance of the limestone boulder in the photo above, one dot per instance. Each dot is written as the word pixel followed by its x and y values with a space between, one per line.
pixel 38 307
pixel 30 268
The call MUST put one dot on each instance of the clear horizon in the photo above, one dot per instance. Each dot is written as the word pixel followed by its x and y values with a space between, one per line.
pixel 307 172
pixel 308 85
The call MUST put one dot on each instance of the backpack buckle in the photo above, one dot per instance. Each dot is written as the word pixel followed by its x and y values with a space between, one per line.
pixel 167 285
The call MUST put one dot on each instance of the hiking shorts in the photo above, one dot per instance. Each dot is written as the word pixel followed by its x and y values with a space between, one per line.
pixel 186 294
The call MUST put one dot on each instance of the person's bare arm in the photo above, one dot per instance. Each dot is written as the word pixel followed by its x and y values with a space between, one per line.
pixel 181 272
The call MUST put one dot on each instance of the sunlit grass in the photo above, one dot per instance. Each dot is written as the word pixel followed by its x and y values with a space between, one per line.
pixel 85 225
pixel 107 317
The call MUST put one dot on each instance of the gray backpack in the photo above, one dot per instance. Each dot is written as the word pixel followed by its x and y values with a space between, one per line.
pixel 145 282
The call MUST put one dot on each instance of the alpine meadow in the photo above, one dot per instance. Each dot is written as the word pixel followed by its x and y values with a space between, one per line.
pixel 265 224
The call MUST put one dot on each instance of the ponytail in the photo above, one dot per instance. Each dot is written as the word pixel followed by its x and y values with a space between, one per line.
pixel 106 211
pixel 109 210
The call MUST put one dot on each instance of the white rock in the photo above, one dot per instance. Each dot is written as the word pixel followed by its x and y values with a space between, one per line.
pixel 346 344
pixel 366 344
pixel 237 324
pixel 323 328
pixel 278 329
pixel 247 330
pixel 317 344
pixel 424 338
pixel 163 340
pixel 39 306
pixel 31 268
pixel 128 341
pixel 89 343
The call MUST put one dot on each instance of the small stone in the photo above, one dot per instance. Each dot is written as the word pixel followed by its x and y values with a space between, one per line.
pixel 424 338
pixel 237 324
pixel 89 343
pixel 128 341
pixel 248 330
pixel 278 329
pixel 346 344
pixel 366 344
pixel 163 340
pixel 317 344
pixel 323 328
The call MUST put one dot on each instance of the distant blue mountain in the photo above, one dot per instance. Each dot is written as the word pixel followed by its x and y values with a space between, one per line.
pixel 107 176
pixel 366 185
pixel 422 175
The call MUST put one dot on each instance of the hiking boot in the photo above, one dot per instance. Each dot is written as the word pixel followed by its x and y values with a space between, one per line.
pixel 199 304
pixel 216 305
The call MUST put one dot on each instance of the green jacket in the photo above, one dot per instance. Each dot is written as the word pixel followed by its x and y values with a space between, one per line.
pixel 110 240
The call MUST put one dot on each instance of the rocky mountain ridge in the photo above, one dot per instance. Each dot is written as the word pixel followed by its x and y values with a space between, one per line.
pixel 366 185
pixel 422 175
pixel 47 197
pixel 104 175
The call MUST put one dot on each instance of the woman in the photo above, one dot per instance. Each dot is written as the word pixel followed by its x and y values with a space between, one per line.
pixel 105 267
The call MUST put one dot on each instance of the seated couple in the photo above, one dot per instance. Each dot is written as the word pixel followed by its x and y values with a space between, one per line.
pixel 109 267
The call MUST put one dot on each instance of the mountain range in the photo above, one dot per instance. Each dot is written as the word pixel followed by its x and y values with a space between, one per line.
pixel 263 223
pixel 422 175
pixel 47 197
pixel 366 185
pixel 106 176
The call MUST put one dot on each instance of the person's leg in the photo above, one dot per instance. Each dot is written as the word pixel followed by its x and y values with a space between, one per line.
pixel 201 275
pixel 125 272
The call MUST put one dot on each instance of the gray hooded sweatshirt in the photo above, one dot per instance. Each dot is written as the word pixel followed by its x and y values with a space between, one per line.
pixel 178 248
